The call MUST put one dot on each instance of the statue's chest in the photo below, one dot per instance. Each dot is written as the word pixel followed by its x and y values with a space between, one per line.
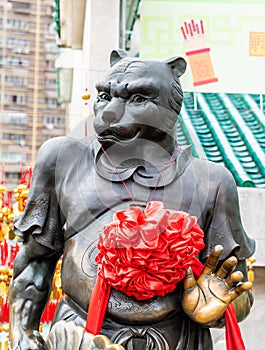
pixel 88 196
pixel 85 196
pixel 88 203
pixel 79 272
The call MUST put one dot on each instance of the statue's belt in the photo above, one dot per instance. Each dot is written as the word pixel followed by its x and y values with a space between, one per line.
pixel 126 334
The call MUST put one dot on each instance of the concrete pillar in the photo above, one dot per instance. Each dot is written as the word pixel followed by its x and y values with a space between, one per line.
pixel 251 202
pixel 100 37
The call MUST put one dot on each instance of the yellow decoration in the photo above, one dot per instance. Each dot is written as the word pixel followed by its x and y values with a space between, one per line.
pixel 8 212
pixel 86 96
pixel 3 288
pixel 5 227
pixel 57 282
pixel 251 276
pixel 4 346
pixel 4 328
pixel 11 217
pixel 2 188
pixel 21 194
pixel 250 262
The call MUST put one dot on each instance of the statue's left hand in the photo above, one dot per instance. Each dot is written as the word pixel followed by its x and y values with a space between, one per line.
pixel 206 299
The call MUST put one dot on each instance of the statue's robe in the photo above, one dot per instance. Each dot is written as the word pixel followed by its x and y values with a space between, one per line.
pixel 75 192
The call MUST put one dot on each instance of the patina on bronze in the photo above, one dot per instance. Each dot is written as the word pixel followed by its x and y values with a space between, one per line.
pixel 75 191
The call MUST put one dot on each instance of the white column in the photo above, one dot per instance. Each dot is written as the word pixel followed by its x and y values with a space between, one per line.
pixel 100 37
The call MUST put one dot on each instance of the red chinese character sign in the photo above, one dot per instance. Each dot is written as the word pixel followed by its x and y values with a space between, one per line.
pixel 198 53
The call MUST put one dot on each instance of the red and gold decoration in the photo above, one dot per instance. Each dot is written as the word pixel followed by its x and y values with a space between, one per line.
pixel 12 204
pixel 22 190
pixel 198 53
pixel 85 112
pixel 250 265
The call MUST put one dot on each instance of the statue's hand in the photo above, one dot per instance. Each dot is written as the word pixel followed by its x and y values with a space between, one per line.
pixel 68 336
pixel 30 340
pixel 206 299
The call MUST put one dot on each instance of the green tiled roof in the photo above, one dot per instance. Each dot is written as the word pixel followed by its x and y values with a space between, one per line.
pixel 228 129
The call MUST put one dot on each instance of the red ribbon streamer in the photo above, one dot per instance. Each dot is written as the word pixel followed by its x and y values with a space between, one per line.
pixel 233 335
pixel 98 305
pixel 99 302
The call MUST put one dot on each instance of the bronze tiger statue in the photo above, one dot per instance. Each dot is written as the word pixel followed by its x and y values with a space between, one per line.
pixel 77 187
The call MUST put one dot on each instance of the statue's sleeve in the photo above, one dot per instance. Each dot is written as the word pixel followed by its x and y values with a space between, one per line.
pixel 42 217
pixel 225 225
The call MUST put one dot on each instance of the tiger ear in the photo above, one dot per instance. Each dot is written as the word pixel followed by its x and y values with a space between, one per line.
pixel 177 65
pixel 116 56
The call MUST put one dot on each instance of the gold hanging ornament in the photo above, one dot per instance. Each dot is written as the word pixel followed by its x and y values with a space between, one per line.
pixel 9 248
pixel 250 262
pixel 85 110
pixel 85 97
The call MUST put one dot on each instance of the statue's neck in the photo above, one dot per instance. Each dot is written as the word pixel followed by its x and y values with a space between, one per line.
pixel 142 152
pixel 148 163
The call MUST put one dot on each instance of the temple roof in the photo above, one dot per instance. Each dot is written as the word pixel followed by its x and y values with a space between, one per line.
pixel 228 129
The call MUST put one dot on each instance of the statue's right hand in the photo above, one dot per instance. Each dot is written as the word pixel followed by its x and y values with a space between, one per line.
pixel 29 340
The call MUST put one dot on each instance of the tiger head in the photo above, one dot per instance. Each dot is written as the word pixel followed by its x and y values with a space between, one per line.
pixel 138 99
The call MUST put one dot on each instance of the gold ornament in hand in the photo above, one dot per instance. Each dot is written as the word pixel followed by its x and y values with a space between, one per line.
pixel 206 299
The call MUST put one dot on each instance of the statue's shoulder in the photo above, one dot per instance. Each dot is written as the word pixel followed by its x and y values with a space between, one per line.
pixel 63 150
pixel 213 173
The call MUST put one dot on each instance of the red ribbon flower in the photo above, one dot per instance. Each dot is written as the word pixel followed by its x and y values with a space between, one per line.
pixel 145 254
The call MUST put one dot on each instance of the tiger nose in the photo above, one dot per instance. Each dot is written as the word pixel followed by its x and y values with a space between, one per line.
pixel 114 111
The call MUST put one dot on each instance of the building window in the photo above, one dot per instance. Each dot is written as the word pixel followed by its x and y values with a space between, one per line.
pixel 12 176
pixel 14 61
pixel 13 118
pixel 17 24
pixel 13 137
pixel 51 47
pixel 50 83
pixel 51 101
pixel 16 80
pixel 51 121
pixel 49 29
pixel 13 157
pixel 17 99
pixel 18 45
pixel 49 64
pixel 20 6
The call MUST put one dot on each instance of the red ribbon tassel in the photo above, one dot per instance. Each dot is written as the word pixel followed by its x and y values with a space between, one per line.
pixel 233 335
pixel 98 305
